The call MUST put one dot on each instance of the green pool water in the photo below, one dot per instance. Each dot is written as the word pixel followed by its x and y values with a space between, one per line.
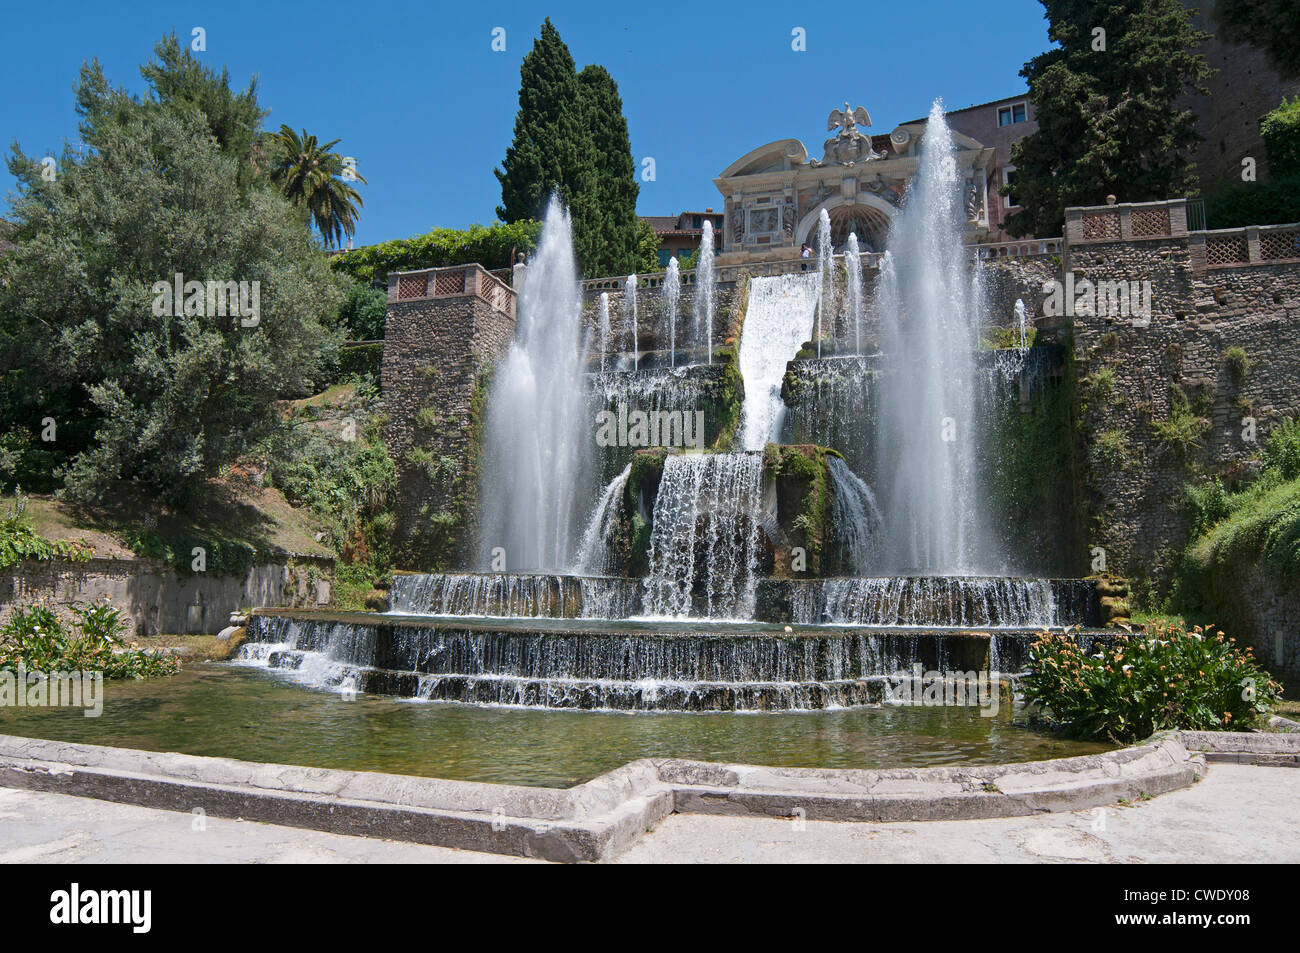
pixel 255 715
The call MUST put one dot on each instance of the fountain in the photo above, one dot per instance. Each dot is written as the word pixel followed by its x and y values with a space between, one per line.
pixel 826 286
pixel 629 304
pixel 931 315
pixel 672 290
pixel 853 266
pixel 534 461
pixel 704 282
pixel 834 534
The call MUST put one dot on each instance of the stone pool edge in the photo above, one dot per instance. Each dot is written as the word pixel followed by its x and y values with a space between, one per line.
pixel 600 818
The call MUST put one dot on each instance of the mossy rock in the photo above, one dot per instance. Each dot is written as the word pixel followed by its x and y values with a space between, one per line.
pixel 376 601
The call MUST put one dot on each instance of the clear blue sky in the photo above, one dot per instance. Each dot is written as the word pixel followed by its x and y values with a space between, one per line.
pixel 417 95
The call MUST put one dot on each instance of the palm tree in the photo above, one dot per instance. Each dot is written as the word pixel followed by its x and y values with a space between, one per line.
pixel 314 178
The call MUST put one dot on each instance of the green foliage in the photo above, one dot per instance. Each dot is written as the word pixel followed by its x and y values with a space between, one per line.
pixel 312 176
pixel 1165 678
pixel 159 399
pixel 182 83
pixel 348 485
pixel 1281 452
pixel 803 496
pixel 1275 202
pixel 39 640
pixel 1208 503
pixel 1272 25
pixel 1110 450
pixel 19 542
pixel 1281 132
pixel 647 249
pixel 1238 364
pixel 1182 430
pixel 1108 122
pixel 571 140
pixel 363 311
pixel 491 246
pixel 220 556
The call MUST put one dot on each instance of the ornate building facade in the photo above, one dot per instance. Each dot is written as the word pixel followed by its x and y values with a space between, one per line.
pixel 773 196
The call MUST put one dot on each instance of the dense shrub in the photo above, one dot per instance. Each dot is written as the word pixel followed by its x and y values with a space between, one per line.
pixel 489 246
pixel 1280 130
pixel 220 556
pixel 18 541
pixel 38 639
pixel 1275 202
pixel 363 311
pixel 1166 677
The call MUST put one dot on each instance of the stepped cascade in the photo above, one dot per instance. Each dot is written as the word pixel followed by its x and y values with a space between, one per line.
pixel 793 496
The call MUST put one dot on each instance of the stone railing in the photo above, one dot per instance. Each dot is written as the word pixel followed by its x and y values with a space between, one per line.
pixel 455 281
pixel 1126 222
pixel 1025 248
pixel 1236 247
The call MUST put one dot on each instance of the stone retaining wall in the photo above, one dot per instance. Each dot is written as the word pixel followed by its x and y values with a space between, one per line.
pixel 156 599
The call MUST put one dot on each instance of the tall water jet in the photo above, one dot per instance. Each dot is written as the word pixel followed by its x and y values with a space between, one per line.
pixel 534 463
pixel 927 442
pixel 824 258
pixel 629 305
pixel 672 290
pixel 1022 326
pixel 778 319
pixel 604 328
pixel 704 283
pixel 853 265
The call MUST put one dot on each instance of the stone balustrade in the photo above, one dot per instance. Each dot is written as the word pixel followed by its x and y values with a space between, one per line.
pixel 454 281
pixel 1025 248
pixel 1238 247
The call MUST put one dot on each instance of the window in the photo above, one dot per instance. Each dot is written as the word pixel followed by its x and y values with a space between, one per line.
pixel 665 256
pixel 1009 178
pixel 696 222
pixel 1010 115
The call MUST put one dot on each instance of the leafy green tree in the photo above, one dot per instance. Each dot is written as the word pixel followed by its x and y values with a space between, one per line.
pixel 181 82
pixel 492 246
pixel 90 352
pixel 1108 118
pixel 551 149
pixel 313 178
pixel 1281 132
pixel 363 312
pixel 1272 25
pixel 647 248
pixel 609 233
pixel 571 139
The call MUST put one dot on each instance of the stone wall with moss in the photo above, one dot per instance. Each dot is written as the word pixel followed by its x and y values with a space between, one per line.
pixel 438 355
pixel 1164 403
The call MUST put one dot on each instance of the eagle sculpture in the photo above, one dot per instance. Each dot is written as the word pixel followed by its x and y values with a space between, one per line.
pixel 850 119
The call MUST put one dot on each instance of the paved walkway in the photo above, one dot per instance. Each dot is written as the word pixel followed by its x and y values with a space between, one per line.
pixel 1237 814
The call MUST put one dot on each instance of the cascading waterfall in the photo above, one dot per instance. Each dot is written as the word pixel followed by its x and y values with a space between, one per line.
pixel 629 304
pixel 672 291
pixel 594 556
pixel 928 433
pixel 1000 602
pixel 855 517
pixel 778 320
pixel 853 265
pixel 710 505
pixel 825 255
pixel 704 283
pixel 604 328
pixel 535 471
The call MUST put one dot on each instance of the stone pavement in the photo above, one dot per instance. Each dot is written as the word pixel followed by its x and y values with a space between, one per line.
pixel 1237 814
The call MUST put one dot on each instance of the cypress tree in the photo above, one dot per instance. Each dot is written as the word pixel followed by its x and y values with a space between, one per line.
pixel 571 138
pixel 1108 122
pixel 609 245
pixel 550 151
